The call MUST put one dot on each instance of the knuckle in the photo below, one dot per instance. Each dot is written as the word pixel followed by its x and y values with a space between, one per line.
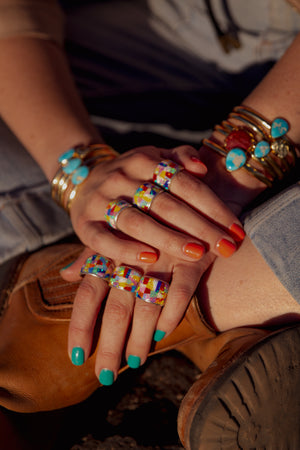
pixel 86 290
pixel 108 355
pixel 183 149
pixel 81 221
pixel 117 176
pixel 182 293
pixel 117 311
pixel 115 179
pixel 142 159
pixel 78 329
pixel 145 309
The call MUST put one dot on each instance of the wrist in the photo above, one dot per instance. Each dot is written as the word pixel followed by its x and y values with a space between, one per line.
pixel 237 189
pixel 50 150
pixel 246 154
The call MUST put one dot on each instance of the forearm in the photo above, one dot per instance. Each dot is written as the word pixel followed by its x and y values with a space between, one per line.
pixel 39 100
pixel 278 95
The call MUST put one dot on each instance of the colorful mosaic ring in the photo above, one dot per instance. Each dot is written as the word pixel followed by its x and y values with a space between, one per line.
pixel 152 290
pixel 145 194
pixel 125 278
pixel 98 266
pixel 113 210
pixel 164 172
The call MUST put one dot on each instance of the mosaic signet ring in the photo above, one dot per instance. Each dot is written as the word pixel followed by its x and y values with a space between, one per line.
pixel 98 266
pixel 113 210
pixel 164 172
pixel 125 278
pixel 145 194
pixel 152 290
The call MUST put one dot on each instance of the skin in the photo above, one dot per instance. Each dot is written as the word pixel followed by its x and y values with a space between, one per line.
pixel 36 74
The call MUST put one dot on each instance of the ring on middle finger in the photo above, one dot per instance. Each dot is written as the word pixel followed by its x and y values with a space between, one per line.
pixel 145 194
pixel 125 278
pixel 164 172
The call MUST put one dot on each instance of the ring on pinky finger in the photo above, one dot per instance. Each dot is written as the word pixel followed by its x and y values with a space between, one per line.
pixel 98 266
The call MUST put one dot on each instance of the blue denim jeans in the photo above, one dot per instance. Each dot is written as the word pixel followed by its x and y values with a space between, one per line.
pixel 274 229
pixel 139 89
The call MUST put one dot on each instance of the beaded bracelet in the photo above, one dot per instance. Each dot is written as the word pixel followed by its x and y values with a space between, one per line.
pixel 75 166
pixel 261 148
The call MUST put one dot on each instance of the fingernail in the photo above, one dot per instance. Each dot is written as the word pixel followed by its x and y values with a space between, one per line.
pixel 106 377
pixel 134 361
pixel 77 356
pixel 68 265
pixel 194 250
pixel 147 257
pixel 237 232
pixel 159 335
pixel 198 161
pixel 225 248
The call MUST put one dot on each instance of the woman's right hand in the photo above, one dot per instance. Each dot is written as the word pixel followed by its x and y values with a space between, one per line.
pixel 184 222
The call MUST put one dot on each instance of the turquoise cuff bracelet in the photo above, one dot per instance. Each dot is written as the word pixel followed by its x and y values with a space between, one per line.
pixel 260 147
pixel 75 166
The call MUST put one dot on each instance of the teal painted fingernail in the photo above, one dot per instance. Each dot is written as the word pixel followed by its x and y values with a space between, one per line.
pixel 68 265
pixel 106 377
pixel 158 335
pixel 134 361
pixel 77 357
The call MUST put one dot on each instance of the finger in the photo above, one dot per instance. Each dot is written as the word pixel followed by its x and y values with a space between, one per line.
pixel 115 323
pixel 176 214
pixel 71 272
pixel 141 336
pixel 116 244
pixel 145 228
pixel 184 283
pixel 204 200
pixel 89 297
pixel 188 157
pixel 193 192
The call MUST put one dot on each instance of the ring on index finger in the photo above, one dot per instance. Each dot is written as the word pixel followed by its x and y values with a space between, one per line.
pixel 113 210
pixel 164 172
pixel 145 194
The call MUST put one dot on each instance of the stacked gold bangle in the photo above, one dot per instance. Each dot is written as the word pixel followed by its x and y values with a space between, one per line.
pixel 260 147
pixel 75 166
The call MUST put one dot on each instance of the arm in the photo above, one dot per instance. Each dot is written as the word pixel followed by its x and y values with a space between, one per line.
pixel 277 95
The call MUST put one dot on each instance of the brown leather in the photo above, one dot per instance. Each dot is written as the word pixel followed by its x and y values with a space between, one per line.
pixel 36 373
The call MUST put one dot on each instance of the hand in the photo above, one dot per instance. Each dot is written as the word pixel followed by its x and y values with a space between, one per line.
pixel 128 323
pixel 183 222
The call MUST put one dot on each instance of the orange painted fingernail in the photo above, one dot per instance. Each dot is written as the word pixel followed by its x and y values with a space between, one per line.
pixel 193 250
pixel 147 257
pixel 225 248
pixel 237 232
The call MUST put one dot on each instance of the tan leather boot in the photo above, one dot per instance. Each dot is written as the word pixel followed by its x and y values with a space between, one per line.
pixel 36 373
pixel 248 398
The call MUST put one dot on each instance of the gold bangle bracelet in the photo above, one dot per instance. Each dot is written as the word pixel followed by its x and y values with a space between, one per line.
pixel 75 166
